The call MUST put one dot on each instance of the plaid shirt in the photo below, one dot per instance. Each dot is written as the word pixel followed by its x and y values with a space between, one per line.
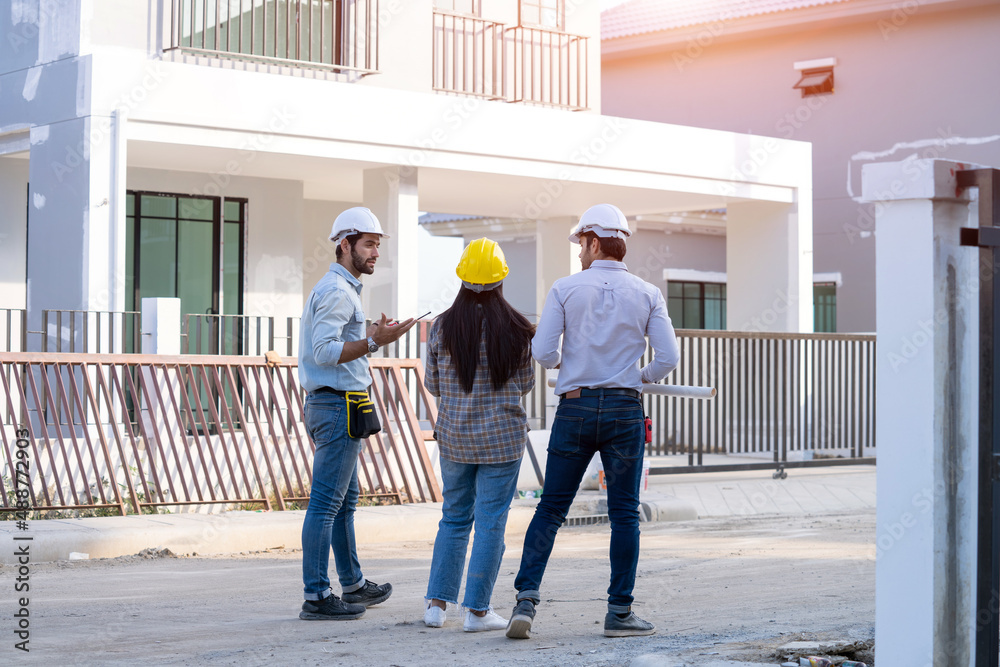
pixel 485 426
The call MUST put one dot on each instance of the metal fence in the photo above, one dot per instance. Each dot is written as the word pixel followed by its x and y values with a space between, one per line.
pixel 469 56
pixel 413 345
pixel 90 331
pixel 251 335
pixel 784 398
pixel 337 35
pixel 549 67
pixel 475 56
pixel 131 433
pixel 13 330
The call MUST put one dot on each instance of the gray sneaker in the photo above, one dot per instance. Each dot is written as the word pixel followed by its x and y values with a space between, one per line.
pixel 630 626
pixel 369 594
pixel 519 626
pixel 330 608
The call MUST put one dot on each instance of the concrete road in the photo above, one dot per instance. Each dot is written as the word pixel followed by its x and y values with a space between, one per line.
pixel 722 591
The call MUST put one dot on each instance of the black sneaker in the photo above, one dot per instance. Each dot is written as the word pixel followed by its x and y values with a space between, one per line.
pixel 629 626
pixel 369 594
pixel 330 608
pixel 519 626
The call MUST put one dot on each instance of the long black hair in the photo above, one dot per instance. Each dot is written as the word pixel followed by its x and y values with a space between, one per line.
pixel 508 336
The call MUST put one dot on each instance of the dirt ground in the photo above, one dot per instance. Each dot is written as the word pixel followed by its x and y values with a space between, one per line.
pixel 716 589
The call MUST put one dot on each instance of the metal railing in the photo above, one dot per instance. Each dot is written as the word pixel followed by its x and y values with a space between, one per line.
pixel 548 67
pixel 469 55
pixel 478 57
pixel 251 335
pixel 809 395
pixel 138 432
pixel 413 344
pixel 90 331
pixel 337 35
pixel 13 330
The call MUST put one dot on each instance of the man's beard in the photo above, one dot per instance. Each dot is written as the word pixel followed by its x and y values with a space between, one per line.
pixel 361 265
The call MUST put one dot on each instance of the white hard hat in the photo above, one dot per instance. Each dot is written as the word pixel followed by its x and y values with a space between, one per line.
pixel 357 220
pixel 604 220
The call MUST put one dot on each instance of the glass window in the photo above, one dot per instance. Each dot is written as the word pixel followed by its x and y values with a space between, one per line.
pixel 470 7
pixel 544 13
pixel 694 305
pixel 825 307
pixel 179 247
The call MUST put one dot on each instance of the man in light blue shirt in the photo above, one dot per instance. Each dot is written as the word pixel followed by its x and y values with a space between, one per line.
pixel 332 361
pixel 603 315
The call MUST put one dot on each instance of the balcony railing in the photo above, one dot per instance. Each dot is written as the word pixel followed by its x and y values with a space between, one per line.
pixel 549 67
pixel 469 55
pixel 336 35
pixel 531 65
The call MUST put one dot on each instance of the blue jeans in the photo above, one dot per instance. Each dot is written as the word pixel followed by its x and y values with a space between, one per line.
pixel 480 492
pixel 330 516
pixel 612 426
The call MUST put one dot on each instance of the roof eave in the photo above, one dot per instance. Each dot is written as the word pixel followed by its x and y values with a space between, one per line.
pixel 764 25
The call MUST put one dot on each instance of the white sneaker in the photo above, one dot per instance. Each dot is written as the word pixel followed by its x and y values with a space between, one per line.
pixel 491 621
pixel 434 617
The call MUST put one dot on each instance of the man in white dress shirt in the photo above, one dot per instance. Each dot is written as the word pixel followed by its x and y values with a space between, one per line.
pixel 604 315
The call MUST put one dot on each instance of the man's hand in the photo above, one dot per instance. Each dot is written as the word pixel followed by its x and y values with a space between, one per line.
pixel 384 332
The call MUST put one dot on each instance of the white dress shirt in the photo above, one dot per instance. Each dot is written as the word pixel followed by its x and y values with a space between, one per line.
pixel 604 315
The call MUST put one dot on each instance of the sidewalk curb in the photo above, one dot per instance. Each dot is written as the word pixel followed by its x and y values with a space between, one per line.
pixel 233 532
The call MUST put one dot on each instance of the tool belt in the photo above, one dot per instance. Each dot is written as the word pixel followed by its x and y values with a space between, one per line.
pixel 362 420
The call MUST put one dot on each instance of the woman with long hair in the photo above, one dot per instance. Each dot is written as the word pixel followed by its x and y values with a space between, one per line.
pixel 479 365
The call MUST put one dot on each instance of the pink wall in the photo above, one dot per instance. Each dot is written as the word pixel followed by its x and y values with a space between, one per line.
pixel 928 75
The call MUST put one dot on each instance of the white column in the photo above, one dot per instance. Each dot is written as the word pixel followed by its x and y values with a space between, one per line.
pixel 391 194
pixel 161 326
pixel 927 377
pixel 769 266
pixel 555 258
pixel 76 231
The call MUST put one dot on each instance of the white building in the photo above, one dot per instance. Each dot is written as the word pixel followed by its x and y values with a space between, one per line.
pixel 163 149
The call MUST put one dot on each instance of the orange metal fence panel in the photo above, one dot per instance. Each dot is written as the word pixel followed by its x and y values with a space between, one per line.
pixel 131 433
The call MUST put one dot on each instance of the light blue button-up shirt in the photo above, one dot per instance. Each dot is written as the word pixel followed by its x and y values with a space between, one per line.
pixel 604 315
pixel 332 316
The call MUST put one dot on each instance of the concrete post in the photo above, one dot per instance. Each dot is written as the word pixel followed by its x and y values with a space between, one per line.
pixel 555 258
pixel 391 194
pixel 161 326
pixel 927 378
pixel 769 266
pixel 76 217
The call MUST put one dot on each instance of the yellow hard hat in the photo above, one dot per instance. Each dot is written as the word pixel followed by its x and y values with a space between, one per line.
pixel 482 266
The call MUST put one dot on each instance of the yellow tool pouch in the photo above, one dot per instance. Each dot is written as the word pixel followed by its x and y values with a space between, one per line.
pixel 362 420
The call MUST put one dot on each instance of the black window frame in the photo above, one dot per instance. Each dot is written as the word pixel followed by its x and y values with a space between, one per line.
pixel 673 308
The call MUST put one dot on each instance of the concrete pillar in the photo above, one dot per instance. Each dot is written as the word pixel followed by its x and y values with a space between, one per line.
pixel 769 266
pixel 161 326
pixel 76 230
pixel 555 258
pixel 927 377
pixel 391 194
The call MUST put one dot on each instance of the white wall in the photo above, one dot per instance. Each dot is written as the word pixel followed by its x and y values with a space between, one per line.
pixel 274 233
pixel 649 252
pixel 13 232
